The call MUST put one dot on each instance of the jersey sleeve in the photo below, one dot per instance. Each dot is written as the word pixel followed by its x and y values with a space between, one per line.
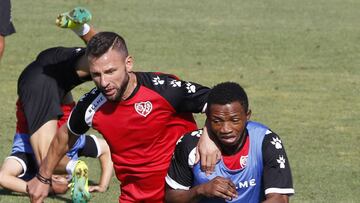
pixel 277 176
pixel 194 97
pixel 180 175
pixel 78 122
pixel 184 96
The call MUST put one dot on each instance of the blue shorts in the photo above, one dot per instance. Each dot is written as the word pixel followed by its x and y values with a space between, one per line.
pixel 86 145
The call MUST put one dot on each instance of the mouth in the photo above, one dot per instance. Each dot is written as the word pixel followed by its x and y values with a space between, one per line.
pixel 109 92
pixel 228 139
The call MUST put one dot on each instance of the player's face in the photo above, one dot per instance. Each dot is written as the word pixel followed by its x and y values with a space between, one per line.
pixel 59 184
pixel 110 72
pixel 228 122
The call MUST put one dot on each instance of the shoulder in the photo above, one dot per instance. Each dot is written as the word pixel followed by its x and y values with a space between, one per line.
pixel 91 101
pixel 82 114
pixel 272 139
pixel 186 146
pixel 189 141
pixel 156 80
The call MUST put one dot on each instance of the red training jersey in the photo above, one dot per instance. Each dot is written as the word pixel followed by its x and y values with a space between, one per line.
pixel 142 131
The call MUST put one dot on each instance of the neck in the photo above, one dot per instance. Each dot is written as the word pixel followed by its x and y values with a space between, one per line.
pixel 130 87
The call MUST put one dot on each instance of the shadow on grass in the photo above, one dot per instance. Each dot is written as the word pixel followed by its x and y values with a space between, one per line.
pixel 4 193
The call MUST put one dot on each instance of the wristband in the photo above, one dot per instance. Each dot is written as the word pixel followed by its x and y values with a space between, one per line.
pixel 44 180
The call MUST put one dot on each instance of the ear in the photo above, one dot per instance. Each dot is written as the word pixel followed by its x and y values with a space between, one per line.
pixel 129 62
pixel 248 115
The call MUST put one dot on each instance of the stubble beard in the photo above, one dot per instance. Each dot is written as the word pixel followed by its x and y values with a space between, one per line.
pixel 120 91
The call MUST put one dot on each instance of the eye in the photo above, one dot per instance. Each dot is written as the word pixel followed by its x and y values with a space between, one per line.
pixel 95 75
pixel 215 121
pixel 110 71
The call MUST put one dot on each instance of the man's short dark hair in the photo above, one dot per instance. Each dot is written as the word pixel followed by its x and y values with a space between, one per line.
pixel 103 41
pixel 226 93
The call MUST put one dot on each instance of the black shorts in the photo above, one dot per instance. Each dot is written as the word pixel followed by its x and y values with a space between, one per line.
pixel 6 25
pixel 43 84
pixel 39 97
pixel 28 164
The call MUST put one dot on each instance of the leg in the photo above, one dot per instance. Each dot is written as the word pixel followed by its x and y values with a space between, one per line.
pixel 6 26
pixel 77 20
pixel 9 173
pixel 40 142
pixel 41 139
pixel 2 45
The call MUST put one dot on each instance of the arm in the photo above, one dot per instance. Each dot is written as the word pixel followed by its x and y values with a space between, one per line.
pixel 193 99
pixel 106 168
pixel 276 198
pixel 277 178
pixel 58 148
pixel 218 187
pixel 180 176
pixel 208 151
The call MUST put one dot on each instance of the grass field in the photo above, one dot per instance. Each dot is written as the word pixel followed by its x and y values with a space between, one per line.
pixel 298 60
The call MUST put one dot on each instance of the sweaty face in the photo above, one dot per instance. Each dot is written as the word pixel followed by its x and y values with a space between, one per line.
pixel 110 73
pixel 228 122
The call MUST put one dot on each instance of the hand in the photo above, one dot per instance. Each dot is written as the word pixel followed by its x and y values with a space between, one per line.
pixel 208 152
pixel 37 190
pixel 97 188
pixel 219 187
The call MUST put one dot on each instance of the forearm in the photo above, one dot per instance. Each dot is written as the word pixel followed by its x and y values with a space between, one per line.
pixel 106 170
pixel 184 196
pixel 276 198
pixel 14 184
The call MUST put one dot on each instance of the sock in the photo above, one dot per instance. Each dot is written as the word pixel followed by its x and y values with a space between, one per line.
pixel 70 167
pixel 81 30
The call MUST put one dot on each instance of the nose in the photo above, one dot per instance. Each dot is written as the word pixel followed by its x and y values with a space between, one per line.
pixel 103 81
pixel 226 128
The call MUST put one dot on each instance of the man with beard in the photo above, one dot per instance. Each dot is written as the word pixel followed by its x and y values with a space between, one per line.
pixel 140 114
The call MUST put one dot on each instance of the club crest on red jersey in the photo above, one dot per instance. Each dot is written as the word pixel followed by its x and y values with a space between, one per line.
pixel 143 108
pixel 243 161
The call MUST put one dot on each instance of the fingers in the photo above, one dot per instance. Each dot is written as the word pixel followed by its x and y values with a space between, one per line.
pixel 231 190
pixel 96 188
pixel 208 162
pixel 197 155
pixel 92 189
pixel 209 153
pixel 37 191
pixel 224 188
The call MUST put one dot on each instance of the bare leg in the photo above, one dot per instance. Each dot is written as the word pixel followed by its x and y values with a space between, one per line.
pixel 86 38
pixel 41 139
pixel 8 176
pixel 2 45
pixel 40 142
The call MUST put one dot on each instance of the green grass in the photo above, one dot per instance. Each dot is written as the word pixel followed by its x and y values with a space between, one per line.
pixel 298 60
